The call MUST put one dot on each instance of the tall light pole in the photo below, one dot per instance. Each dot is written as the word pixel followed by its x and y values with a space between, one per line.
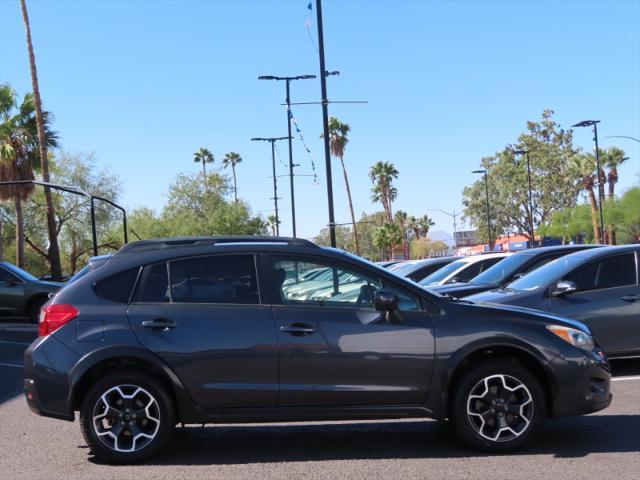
pixel 325 124
pixel 594 124
pixel 526 154
pixel 486 191
pixel 452 215
pixel 273 141
pixel 291 165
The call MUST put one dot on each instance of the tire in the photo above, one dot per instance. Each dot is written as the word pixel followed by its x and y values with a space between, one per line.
pixel 498 406
pixel 150 420
pixel 33 311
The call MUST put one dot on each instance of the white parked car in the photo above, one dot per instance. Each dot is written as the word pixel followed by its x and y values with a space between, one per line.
pixel 463 269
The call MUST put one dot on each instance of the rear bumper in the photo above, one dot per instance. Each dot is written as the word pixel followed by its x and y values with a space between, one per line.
pixel 46 388
pixel 583 383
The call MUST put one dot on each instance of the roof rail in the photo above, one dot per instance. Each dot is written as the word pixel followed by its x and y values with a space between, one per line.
pixel 162 243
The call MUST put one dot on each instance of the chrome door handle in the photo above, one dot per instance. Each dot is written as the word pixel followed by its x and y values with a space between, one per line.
pixel 163 324
pixel 297 329
pixel 631 298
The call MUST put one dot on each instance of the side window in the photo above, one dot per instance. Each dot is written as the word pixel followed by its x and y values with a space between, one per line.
pixel 540 262
pixel 467 273
pixel 609 272
pixel 153 285
pixel 6 276
pixel 306 282
pixel 215 279
pixel 117 288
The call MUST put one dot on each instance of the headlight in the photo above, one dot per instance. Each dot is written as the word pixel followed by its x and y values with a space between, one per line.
pixel 577 338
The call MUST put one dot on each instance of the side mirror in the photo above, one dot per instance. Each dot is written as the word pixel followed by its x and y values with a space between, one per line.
pixel 563 287
pixel 11 282
pixel 385 300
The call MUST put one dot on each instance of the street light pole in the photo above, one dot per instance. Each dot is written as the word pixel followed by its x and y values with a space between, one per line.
pixel 289 118
pixel 486 191
pixel 531 226
pixel 325 124
pixel 452 215
pixel 594 124
pixel 273 141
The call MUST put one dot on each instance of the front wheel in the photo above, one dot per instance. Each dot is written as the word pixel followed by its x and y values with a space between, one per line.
pixel 126 417
pixel 498 405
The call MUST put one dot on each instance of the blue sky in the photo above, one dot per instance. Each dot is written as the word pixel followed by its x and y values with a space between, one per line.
pixel 144 84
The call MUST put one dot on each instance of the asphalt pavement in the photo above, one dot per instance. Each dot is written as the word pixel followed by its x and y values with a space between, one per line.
pixel 604 445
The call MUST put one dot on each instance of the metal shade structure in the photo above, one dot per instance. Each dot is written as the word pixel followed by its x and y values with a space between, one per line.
pixel 92 199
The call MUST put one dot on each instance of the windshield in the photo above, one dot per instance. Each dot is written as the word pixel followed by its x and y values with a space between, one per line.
pixel 502 270
pixel 443 273
pixel 404 268
pixel 552 271
pixel 20 273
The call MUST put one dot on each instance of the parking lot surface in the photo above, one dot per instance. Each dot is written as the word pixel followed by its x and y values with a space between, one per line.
pixel 604 445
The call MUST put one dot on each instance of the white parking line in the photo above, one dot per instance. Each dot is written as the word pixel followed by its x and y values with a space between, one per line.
pixel 11 365
pixel 623 379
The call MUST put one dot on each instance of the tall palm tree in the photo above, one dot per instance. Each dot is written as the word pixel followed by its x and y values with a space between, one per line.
pixel 387 237
pixel 382 175
pixel 272 223
pixel 54 248
pixel 425 223
pixel 20 153
pixel 414 224
pixel 401 218
pixel 586 167
pixel 232 159
pixel 613 158
pixel 203 156
pixel 338 140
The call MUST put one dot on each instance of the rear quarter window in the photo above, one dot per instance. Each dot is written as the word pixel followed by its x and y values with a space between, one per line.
pixel 118 287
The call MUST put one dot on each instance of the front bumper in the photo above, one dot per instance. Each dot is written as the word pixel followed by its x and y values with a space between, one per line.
pixel 583 382
pixel 47 363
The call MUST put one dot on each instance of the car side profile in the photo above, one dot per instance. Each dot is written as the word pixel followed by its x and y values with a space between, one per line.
pixel 599 287
pixel 462 269
pixel 506 271
pixel 208 330
pixel 22 294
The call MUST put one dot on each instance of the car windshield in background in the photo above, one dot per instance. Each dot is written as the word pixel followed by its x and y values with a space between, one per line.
pixel 542 276
pixel 443 273
pixel 404 268
pixel 20 273
pixel 501 270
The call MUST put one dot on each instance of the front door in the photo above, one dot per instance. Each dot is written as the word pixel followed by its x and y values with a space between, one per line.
pixel 608 301
pixel 11 294
pixel 203 317
pixel 336 349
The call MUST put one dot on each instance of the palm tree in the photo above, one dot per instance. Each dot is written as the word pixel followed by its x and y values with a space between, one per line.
pixel 337 142
pixel 54 248
pixel 425 223
pixel 401 219
pixel 203 156
pixel 613 158
pixel 382 175
pixel 586 166
pixel 414 224
pixel 232 159
pixel 386 237
pixel 272 223
pixel 20 154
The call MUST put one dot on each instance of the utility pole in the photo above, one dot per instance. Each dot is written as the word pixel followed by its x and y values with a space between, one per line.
pixel 486 191
pixel 289 117
pixel 273 141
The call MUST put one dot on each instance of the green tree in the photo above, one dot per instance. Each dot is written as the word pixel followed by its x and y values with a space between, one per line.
pixel 232 159
pixel 203 156
pixel 338 139
pixel 272 224
pixel 382 175
pixel 387 237
pixel 414 225
pixel 20 155
pixel 426 222
pixel 613 157
pixel 585 165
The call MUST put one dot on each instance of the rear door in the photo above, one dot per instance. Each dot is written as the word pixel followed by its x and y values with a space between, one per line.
pixel 204 318
pixel 336 349
pixel 608 301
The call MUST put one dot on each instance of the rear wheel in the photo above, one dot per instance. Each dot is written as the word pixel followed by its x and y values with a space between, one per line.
pixel 498 405
pixel 126 417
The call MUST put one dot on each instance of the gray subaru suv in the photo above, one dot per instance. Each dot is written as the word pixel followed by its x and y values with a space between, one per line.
pixel 247 329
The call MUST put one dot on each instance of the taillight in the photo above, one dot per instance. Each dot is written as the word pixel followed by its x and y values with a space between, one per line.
pixel 52 317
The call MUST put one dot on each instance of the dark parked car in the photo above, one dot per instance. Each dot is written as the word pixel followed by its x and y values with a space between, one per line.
pixel 22 294
pixel 509 269
pixel 418 269
pixel 598 287
pixel 152 337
